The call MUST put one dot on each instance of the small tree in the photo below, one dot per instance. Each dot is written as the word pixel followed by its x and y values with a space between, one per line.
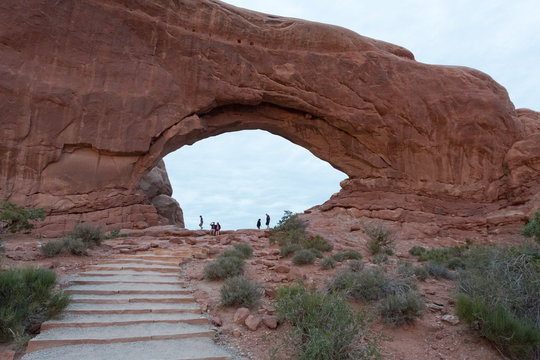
pixel 16 218
pixel 532 229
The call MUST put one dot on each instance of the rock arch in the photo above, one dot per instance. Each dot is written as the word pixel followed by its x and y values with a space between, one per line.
pixel 94 94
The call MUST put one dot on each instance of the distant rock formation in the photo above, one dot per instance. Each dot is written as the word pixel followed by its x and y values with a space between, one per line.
pixel 95 94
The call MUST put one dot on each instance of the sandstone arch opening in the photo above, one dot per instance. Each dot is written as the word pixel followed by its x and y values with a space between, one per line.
pixel 237 177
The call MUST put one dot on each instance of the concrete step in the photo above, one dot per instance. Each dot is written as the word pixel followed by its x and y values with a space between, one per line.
pixel 171 258
pixel 178 349
pixel 87 320
pixel 115 334
pixel 134 260
pixel 146 279
pixel 133 308
pixel 127 288
pixel 127 272
pixel 131 298
pixel 136 267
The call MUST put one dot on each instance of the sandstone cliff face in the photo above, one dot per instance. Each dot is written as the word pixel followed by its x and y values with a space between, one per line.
pixel 94 94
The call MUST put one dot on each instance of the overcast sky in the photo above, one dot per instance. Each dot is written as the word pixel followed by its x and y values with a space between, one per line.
pixel 236 178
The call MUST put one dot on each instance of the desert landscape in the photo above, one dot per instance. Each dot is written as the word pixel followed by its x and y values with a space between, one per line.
pixel 441 166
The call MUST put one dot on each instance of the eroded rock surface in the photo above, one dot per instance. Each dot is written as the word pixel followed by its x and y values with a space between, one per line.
pixel 94 94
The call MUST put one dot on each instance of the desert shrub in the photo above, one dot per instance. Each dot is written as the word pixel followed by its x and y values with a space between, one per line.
pixel 325 327
pixel 240 291
pixel 231 253
pixel 380 258
pixel 369 285
pixel 224 267
pixel 27 298
pixel 503 278
pixel 289 249
pixel 52 248
pixel 400 308
pixel 455 263
pixel 532 229
pixel 417 250
pixel 290 229
pixel 381 238
pixel 355 265
pixel 438 271
pixel 442 255
pixel 75 246
pixel 17 218
pixel 328 263
pixel 318 254
pixel 245 249
pixel 91 235
pixel 347 255
pixel 316 242
pixel 421 273
pixel 517 337
pixel 303 257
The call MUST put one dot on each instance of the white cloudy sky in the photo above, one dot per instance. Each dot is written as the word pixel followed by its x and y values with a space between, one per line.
pixel 236 178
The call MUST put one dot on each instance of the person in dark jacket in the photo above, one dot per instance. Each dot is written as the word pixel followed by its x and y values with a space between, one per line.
pixel 267 221
pixel 259 224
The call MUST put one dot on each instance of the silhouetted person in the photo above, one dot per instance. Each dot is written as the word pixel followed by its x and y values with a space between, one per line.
pixel 267 221
pixel 218 228
pixel 213 228
pixel 202 222
pixel 259 224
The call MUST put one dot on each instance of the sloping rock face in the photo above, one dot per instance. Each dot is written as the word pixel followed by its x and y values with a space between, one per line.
pixel 94 94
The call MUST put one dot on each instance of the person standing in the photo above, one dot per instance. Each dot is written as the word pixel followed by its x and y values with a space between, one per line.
pixel 218 228
pixel 267 221
pixel 213 228
pixel 202 222
pixel 259 224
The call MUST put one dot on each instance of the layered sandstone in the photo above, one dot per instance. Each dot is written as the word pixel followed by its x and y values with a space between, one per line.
pixel 94 94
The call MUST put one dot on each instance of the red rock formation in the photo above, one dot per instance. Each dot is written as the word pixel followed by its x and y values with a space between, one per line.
pixel 94 94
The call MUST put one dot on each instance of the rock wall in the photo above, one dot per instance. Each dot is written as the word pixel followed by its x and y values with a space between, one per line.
pixel 94 94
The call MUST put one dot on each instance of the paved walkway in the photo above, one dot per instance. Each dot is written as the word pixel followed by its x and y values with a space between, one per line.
pixel 135 307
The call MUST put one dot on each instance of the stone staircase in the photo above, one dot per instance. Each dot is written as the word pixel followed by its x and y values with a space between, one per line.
pixel 134 307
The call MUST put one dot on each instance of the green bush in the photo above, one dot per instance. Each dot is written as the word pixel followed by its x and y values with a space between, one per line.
pixel 517 337
pixel 240 291
pixel 398 309
pixel 75 246
pixel 16 218
pixel 27 298
pixel 328 263
pixel 532 229
pixel 91 235
pixel 347 255
pixel 380 258
pixel 438 271
pixel 355 265
pixel 421 273
pixel 245 249
pixel 498 278
pixel 367 285
pixel 417 250
pixel 231 253
pixel 303 257
pixel 290 229
pixel 325 327
pixel 316 242
pixel 224 267
pixel 381 239
pixel 52 248
pixel 289 249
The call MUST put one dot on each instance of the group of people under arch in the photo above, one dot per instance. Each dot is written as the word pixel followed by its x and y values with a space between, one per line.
pixel 215 227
